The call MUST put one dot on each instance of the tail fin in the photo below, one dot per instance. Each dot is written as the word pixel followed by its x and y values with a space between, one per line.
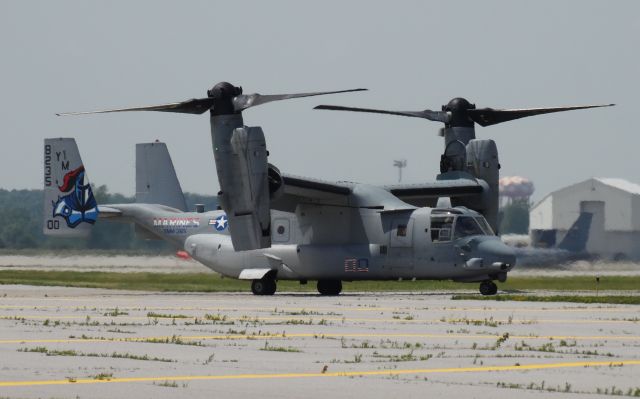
pixel 578 234
pixel 70 208
pixel 156 180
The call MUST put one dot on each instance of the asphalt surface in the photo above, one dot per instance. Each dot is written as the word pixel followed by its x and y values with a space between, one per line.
pixel 88 343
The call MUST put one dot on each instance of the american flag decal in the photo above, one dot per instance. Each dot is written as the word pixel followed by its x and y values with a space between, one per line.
pixel 356 265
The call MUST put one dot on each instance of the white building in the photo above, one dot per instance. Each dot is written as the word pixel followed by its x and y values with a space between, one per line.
pixel 615 224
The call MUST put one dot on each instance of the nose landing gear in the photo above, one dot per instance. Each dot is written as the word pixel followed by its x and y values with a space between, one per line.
pixel 488 287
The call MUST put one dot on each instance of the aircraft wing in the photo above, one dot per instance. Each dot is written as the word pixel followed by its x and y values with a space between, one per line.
pixel 298 189
pixel 423 194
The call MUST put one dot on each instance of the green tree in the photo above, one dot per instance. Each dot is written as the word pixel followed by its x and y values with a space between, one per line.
pixel 514 217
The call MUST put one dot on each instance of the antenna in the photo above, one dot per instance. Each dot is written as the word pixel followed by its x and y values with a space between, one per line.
pixel 400 163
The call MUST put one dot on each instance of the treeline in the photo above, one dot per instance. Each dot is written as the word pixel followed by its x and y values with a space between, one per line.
pixel 514 217
pixel 21 218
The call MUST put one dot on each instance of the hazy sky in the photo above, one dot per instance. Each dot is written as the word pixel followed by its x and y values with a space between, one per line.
pixel 81 55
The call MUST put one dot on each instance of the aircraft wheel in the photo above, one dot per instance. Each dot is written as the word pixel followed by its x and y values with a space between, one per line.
pixel 488 288
pixel 329 287
pixel 265 286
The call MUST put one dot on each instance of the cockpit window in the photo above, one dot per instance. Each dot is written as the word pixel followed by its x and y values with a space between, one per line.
pixel 467 226
pixel 485 226
pixel 441 228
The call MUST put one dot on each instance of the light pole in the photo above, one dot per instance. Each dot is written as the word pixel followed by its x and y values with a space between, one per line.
pixel 401 163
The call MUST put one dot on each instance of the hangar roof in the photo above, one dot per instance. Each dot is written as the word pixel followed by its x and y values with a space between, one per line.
pixel 621 184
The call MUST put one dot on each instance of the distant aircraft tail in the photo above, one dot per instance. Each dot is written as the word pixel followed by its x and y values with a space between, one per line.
pixel 578 234
pixel 156 180
pixel 70 208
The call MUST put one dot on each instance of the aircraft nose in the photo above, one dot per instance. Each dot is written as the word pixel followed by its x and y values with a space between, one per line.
pixel 497 254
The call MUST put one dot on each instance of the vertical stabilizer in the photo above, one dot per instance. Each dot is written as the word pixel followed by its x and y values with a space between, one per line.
pixel 70 208
pixel 156 180
pixel 578 234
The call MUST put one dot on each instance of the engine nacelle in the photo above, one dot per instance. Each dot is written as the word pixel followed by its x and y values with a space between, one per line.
pixel 483 163
pixel 245 193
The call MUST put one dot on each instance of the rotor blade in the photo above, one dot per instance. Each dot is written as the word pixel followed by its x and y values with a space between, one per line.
pixel 193 106
pixel 490 116
pixel 438 116
pixel 244 101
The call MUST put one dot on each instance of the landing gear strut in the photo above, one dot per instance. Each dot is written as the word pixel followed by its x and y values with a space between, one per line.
pixel 329 287
pixel 264 286
pixel 488 288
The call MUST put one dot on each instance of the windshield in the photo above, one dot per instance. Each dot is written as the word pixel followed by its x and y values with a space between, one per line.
pixel 485 225
pixel 467 226
pixel 446 228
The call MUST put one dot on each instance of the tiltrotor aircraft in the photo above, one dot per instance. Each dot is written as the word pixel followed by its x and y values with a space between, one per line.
pixel 274 226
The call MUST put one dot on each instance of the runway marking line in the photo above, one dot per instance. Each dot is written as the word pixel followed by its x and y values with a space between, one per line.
pixel 160 339
pixel 538 366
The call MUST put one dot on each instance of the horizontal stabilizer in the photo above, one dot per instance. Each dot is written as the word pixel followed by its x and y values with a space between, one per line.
pixel 109 212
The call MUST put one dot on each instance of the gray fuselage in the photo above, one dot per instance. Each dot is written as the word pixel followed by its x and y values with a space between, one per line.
pixel 391 240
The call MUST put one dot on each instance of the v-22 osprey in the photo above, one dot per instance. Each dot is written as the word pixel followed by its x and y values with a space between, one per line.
pixel 274 226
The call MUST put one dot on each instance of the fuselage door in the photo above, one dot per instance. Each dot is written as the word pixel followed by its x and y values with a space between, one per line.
pixel 399 260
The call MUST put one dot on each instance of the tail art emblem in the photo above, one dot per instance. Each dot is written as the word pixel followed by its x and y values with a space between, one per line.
pixel 79 205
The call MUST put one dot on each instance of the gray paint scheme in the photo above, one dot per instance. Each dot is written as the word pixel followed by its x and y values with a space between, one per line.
pixel 240 154
pixel 368 234
pixel 346 231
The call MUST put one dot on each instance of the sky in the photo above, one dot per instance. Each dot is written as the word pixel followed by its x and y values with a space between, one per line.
pixel 411 55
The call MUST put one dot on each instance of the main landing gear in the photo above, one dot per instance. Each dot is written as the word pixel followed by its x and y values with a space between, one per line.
pixel 264 286
pixel 329 287
pixel 488 287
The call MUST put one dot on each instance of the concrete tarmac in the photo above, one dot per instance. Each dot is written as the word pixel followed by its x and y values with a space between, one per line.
pixel 90 343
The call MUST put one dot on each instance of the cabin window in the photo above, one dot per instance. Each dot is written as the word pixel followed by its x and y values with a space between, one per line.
pixel 401 230
pixel 441 228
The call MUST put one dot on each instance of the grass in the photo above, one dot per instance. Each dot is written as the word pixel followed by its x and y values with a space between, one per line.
pixel 167 316
pixel 176 340
pixel 168 384
pixel 103 376
pixel 614 299
pixel 210 282
pixel 271 348
pixel 115 355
